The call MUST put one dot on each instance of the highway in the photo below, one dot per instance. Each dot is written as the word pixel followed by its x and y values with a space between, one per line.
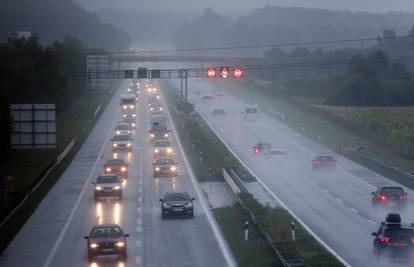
pixel 335 205
pixel 53 236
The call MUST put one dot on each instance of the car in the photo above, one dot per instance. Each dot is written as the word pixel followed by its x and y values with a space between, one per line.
pixel 261 147
pixel 158 117
pixel 218 112
pixel 177 204
pixel 207 98
pixel 156 108
pixel 123 128
pixel 152 89
pixel 393 238
pixel 274 152
pixel 251 113
pixel 116 166
pixel 390 196
pixel 121 142
pixel 128 101
pixel 153 99
pixel 107 186
pixel 130 119
pixel 162 148
pixel 158 132
pixel 324 162
pixel 164 167
pixel 219 96
pixel 106 239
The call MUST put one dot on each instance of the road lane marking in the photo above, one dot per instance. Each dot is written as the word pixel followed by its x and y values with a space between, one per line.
pixel 138 260
pixel 354 210
pixel 371 222
pixel 139 243
pixel 139 229
pixel 75 207
pixel 332 251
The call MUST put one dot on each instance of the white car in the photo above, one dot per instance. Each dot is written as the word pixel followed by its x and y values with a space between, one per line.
pixel 107 186
pixel 123 128
pixel 274 152
pixel 158 117
pixel 162 148
pixel 121 142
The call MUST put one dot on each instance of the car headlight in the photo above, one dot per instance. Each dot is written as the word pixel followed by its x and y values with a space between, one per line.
pixel 114 145
pixel 157 169
pixel 129 144
pixel 169 150
pixel 152 135
pixel 156 150
pixel 158 97
pixel 165 135
pixel 120 244
pixel 108 169
pixel 133 124
pixel 98 188
pixel 123 169
pixel 117 187
pixel 161 108
pixel 151 108
pixel 118 132
pixel 188 205
pixel 124 107
pixel 94 245
pixel 165 205
pixel 173 168
pixel 134 115
pixel 131 107
pixel 124 115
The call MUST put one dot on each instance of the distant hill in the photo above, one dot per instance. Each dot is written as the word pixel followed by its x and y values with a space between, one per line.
pixel 54 19
pixel 273 24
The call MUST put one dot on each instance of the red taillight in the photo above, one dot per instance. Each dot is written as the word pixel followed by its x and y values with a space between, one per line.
pixel 257 150
pixel 317 162
pixel 384 240
pixel 382 197
pixel 403 197
pixel 412 241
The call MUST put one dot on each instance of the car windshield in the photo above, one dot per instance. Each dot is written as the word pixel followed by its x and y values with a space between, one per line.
pixel 392 191
pixel 122 126
pixel 176 197
pixel 121 138
pixel 164 161
pixel 112 231
pixel 156 128
pixel 115 162
pixel 107 179
pixel 325 158
pixel 251 110
pixel 157 113
pixel 162 143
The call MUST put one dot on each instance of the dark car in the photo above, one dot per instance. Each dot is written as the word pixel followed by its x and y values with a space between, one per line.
pixel 158 132
pixel 262 147
pixel 394 239
pixel 165 167
pixel 390 196
pixel 177 204
pixel 116 166
pixel 324 162
pixel 107 239
pixel 107 185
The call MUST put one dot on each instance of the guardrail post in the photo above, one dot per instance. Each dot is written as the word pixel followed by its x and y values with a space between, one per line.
pixel 246 230
pixel 293 230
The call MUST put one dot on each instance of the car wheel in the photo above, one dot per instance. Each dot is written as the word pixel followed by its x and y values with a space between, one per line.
pixel 120 197
pixel 192 214
pixel 163 216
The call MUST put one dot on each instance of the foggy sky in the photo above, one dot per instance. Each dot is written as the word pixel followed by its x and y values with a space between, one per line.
pixel 243 6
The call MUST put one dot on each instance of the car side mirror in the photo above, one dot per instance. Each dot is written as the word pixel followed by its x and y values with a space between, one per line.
pixel 161 199
pixel 126 235
pixel 374 234
pixel 193 198
pixel 86 237
pixel 372 193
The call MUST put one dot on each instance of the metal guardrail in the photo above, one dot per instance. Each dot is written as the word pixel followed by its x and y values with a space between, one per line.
pixel 363 153
pixel 233 180
pixel 45 173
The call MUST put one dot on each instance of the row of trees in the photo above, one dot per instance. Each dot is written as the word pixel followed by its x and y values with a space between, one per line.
pixel 32 73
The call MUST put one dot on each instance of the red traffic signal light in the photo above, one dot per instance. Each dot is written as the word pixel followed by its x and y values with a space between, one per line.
pixel 211 73
pixel 238 73
pixel 224 72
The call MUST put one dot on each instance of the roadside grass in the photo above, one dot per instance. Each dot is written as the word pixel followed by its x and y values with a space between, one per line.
pixel 201 143
pixel 252 253
pixel 277 222
pixel 313 126
pixel 26 165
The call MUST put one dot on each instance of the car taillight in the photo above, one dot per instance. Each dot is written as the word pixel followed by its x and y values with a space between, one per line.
pixel 123 169
pixel 384 240
pixel 108 169
pixel 412 241
pixel 382 197
pixel 403 197
pixel 317 162
pixel 257 150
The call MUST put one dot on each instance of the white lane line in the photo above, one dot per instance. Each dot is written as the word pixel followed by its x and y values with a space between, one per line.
pixel 75 207
pixel 139 199
pixel 139 229
pixel 140 190
pixel 139 221
pixel 354 210
pixel 139 210
pixel 219 237
pixel 325 245
pixel 138 260
pixel 371 222
pixel 140 182
pixel 339 199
